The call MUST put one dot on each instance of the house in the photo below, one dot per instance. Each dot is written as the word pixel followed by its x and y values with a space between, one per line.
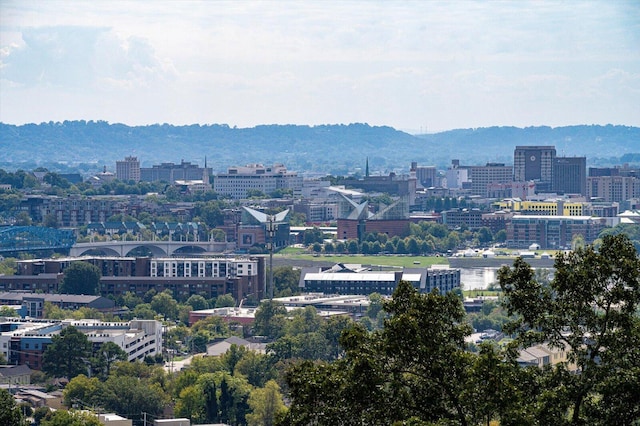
pixel 220 348
pixel 15 374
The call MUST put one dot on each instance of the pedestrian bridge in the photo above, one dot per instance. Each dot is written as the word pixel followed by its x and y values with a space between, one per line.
pixel 157 248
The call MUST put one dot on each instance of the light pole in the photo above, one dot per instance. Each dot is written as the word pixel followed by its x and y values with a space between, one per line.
pixel 271 231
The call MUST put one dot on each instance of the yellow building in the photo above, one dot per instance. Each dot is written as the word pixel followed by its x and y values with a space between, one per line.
pixel 551 208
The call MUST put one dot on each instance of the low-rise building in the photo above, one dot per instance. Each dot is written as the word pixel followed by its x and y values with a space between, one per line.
pixel 359 280
pixel 23 342
pixel 15 375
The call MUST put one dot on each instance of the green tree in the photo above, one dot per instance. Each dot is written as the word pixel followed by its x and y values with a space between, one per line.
pixel 256 367
pixel 415 367
pixel 10 414
pixel 39 414
pixel 589 309
pixel 266 405
pixel 164 304
pixel 82 391
pixel 500 236
pixel 131 300
pixel 190 404
pixel 50 221
pixel 484 235
pixel 144 311
pixel 197 302
pixel 106 356
pixel 81 278
pixel 286 280
pixel 225 300
pixel 68 354
pixel 70 418
pixel 130 394
pixel 8 266
pixel 6 311
pixel 269 319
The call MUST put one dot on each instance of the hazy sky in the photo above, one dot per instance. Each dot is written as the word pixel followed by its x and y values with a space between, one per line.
pixel 412 65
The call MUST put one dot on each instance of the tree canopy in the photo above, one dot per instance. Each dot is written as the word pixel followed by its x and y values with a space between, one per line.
pixel 68 354
pixel 80 278
pixel 590 309
pixel 419 370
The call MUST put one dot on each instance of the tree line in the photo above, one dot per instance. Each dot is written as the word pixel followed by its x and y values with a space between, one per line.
pixel 418 370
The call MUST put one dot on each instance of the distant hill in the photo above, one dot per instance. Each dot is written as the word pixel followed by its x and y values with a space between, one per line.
pixel 335 149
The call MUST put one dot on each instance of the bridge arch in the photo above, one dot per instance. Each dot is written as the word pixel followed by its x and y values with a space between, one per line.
pixel 105 251
pixel 189 249
pixel 154 249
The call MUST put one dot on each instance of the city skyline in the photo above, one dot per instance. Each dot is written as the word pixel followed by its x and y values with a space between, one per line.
pixel 415 66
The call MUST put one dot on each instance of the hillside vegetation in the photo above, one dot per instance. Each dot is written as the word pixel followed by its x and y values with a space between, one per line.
pixel 334 149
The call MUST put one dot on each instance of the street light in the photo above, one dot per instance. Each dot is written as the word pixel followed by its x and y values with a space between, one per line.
pixel 271 231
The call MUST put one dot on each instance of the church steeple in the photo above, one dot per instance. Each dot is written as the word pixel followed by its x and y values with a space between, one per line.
pixel 205 172
pixel 366 172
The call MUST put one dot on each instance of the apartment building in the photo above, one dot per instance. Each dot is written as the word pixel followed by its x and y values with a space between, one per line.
pixel 186 276
pixel 552 232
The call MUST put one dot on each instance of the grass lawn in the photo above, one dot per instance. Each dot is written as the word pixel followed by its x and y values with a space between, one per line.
pixel 476 293
pixel 405 261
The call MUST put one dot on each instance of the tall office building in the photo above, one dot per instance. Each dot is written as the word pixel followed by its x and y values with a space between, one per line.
pixel 482 177
pixel 570 175
pixel 425 175
pixel 128 169
pixel 534 163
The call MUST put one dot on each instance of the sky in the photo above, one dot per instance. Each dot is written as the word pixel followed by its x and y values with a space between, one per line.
pixel 418 66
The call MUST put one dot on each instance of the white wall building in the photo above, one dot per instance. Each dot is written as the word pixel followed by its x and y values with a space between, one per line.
pixel 267 179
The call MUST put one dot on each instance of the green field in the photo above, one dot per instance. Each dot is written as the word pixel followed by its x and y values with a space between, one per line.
pixel 476 293
pixel 405 261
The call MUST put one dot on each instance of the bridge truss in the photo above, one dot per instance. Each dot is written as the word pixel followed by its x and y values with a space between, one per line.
pixel 32 238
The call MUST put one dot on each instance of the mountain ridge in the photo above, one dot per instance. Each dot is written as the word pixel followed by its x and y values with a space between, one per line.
pixel 329 148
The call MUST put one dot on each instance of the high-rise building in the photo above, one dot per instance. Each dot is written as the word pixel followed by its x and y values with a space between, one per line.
pixel 484 176
pixel 570 175
pixel 128 169
pixel 425 175
pixel 534 163
pixel 613 188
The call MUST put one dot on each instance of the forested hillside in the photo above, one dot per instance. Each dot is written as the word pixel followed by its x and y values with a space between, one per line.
pixel 335 149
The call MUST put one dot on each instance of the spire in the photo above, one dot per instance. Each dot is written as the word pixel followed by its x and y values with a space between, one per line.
pixel 366 173
pixel 205 172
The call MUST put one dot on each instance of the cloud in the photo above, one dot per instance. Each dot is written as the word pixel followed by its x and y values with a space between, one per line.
pixel 75 57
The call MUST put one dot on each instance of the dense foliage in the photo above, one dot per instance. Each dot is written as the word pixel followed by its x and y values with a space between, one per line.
pixel 418 369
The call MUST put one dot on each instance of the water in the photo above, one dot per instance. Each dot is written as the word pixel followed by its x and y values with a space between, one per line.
pixel 478 278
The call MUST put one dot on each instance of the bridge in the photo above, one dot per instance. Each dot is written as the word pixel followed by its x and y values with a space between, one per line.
pixel 15 239
pixel 157 248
